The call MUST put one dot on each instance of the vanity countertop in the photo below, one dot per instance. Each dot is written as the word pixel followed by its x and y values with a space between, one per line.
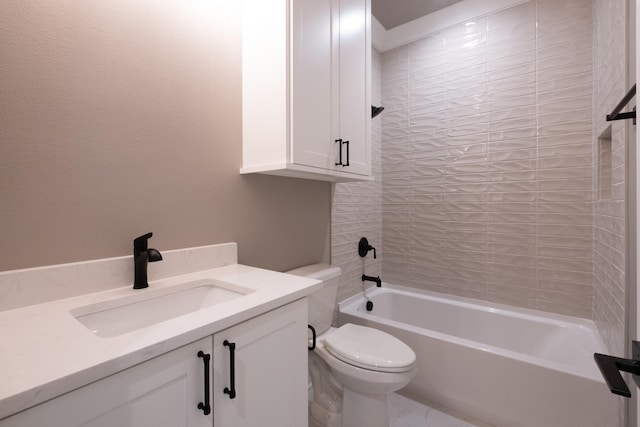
pixel 47 352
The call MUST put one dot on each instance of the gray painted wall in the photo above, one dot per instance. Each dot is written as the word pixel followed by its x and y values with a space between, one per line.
pixel 118 118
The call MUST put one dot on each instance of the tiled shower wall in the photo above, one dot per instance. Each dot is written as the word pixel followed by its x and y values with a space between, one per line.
pixel 491 167
pixel 609 171
pixel 356 210
pixel 487 159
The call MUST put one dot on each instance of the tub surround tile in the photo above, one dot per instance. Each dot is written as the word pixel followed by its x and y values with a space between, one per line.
pixel 569 310
pixel 609 245
pixel 514 108
pixel 563 105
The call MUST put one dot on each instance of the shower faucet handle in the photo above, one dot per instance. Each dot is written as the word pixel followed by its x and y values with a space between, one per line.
pixel 364 247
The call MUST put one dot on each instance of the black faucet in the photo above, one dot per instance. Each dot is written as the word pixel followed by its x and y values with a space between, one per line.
pixel 372 279
pixel 141 256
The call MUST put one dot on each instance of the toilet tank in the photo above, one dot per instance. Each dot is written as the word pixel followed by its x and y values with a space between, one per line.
pixel 322 303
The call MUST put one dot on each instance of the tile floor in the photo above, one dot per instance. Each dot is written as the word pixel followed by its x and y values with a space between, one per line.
pixel 404 412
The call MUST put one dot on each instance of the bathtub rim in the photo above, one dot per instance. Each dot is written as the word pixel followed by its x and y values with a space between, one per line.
pixel 350 306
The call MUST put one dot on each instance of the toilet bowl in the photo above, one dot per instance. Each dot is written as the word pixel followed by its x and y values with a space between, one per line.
pixel 352 367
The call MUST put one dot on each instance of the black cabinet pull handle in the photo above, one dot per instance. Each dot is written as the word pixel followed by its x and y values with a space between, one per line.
pixel 232 369
pixel 205 406
pixel 313 335
pixel 339 141
pixel 347 164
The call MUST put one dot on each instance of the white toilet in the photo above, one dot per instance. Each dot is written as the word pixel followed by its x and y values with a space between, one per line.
pixel 353 367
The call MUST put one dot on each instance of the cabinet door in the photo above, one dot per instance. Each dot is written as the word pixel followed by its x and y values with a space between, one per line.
pixel 354 103
pixel 162 392
pixel 270 359
pixel 311 84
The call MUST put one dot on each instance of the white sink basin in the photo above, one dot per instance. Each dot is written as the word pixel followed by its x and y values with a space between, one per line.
pixel 148 307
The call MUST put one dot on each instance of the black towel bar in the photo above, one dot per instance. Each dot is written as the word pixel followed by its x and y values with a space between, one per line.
pixel 617 115
pixel 611 366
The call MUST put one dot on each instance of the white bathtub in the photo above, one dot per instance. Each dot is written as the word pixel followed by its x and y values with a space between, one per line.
pixel 508 366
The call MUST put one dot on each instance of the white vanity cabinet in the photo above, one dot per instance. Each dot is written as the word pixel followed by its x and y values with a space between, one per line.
pixel 270 381
pixel 306 88
pixel 270 364
pixel 160 392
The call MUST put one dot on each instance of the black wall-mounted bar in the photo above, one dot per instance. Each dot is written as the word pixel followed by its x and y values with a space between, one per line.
pixel 617 115
pixel 611 366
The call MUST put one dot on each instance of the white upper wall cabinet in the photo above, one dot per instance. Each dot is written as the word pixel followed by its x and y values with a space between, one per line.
pixel 306 88
pixel 353 43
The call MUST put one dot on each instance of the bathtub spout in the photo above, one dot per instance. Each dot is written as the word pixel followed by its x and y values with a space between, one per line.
pixel 377 279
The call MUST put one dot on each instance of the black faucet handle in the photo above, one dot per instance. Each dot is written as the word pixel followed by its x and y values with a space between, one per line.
pixel 364 247
pixel 141 243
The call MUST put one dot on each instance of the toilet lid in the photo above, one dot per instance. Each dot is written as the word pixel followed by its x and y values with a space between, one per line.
pixel 369 348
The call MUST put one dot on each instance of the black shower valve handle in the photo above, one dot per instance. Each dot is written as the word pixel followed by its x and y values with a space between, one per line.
pixel 364 247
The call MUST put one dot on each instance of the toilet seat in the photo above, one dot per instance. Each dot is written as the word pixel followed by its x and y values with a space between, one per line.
pixel 369 348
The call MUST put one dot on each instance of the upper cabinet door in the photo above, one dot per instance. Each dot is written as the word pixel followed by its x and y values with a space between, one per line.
pixel 311 84
pixel 353 98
